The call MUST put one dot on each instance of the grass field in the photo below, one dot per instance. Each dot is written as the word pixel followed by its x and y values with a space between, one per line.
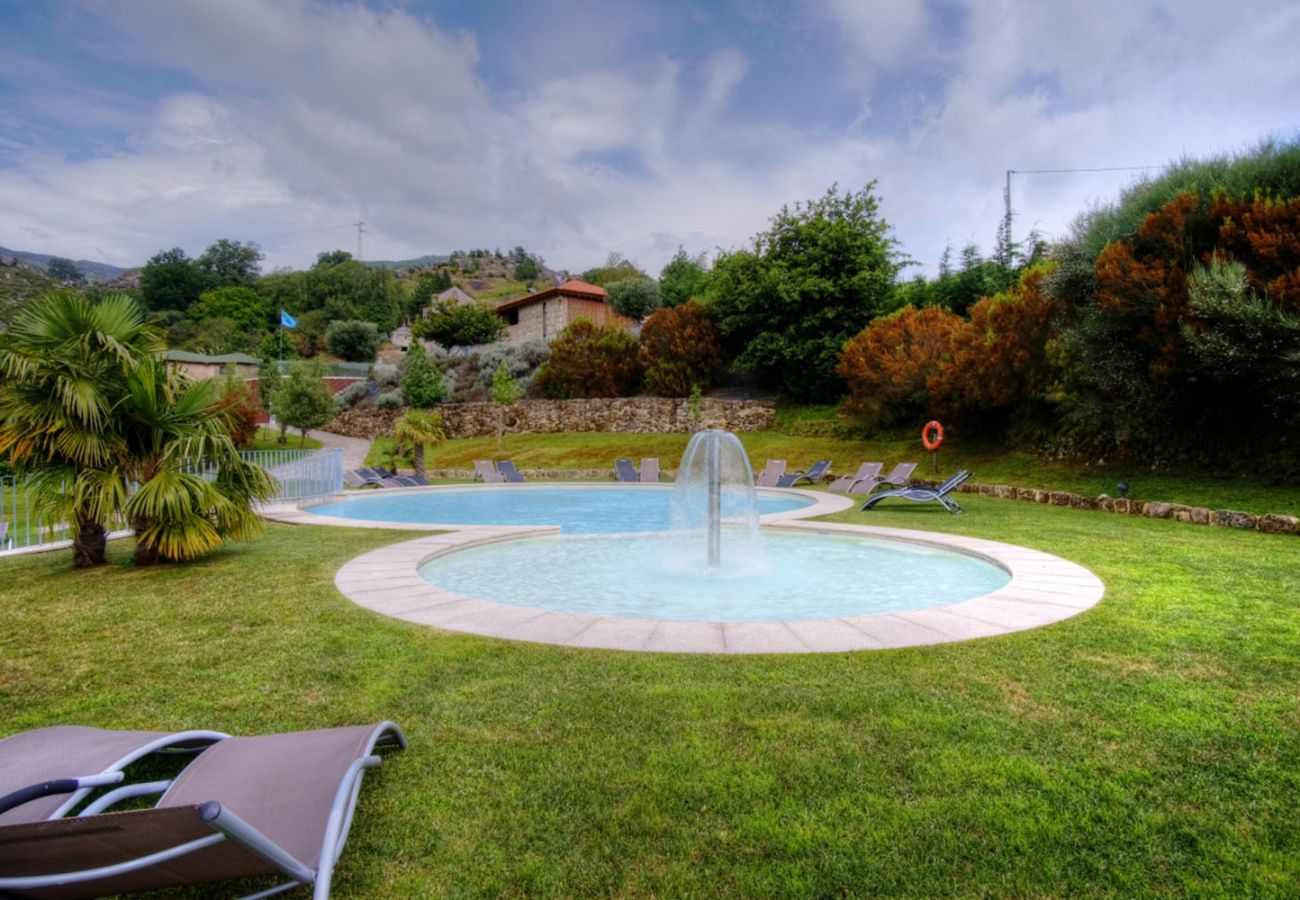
pixel 1150 746
pixel 269 439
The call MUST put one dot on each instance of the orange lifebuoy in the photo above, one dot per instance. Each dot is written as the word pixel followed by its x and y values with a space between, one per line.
pixel 932 435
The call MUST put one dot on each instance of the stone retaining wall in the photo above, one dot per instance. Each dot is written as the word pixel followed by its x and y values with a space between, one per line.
pixel 631 415
pixel 1151 509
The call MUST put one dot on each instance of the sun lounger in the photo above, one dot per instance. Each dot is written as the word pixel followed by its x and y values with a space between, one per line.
pixel 390 483
pixel 508 471
pixel 650 470
pixel 4 536
pixel 815 471
pixel 922 495
pixel 898 477
pixel 84 758
pixel 272 805
pixel 771 473
pixel 353 478
pixel 868 471
pixel 487 470
pixel 625 471
pixel 412 481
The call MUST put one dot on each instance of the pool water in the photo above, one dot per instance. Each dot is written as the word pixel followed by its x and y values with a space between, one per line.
pixel 577 510
pixel 663 576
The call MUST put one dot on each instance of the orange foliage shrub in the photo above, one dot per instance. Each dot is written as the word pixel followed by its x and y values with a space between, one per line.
pixel 679 346
pixel 889 365
pixel 1264 235
pixel 999 358
pixel 590 360
pixel 239 406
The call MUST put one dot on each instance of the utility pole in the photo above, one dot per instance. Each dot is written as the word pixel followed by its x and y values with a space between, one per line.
pixel 361 229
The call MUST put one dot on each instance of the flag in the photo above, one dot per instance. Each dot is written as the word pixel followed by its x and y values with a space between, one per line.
pixel 287 320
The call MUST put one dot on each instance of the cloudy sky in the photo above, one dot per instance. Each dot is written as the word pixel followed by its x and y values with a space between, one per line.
pixel 581 127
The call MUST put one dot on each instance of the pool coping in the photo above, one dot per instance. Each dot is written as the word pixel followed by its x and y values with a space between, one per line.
pixel 1043 589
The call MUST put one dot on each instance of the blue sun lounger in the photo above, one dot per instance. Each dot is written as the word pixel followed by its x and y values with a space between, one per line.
pixel 625 471
pixel 815 471
pixel 508 471
pixel 924 495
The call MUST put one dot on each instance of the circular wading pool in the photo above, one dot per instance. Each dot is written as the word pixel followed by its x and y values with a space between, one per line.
pixel 664 576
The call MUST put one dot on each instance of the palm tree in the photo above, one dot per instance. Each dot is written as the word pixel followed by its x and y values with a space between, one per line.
pixel 193 489
pixel 64 363
pixel 417 428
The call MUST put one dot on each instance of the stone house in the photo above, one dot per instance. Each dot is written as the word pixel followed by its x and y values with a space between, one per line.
pixel 201 366
pixel 545 313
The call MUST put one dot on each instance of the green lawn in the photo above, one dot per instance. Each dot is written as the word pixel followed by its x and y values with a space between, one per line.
pixel 269 439
pixel 1239 489
pixel 1150 746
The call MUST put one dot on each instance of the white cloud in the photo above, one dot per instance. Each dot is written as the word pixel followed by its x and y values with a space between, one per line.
pixel 885 30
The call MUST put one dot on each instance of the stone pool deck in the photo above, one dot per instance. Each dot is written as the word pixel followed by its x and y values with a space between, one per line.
pixel 1043 589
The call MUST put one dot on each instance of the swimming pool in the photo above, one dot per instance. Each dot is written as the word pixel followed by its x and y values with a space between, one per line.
pixel 594 509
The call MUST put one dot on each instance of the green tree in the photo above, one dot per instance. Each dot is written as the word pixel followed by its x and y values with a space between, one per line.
pixel 228 262
pixel 353 340
pixel 415 430
pixel 423 385
pixel 64 270
pixel 303 400
pixel 244 306
pixel 813 280
pixel 460 324
pixel 526 269
pixel 64 364
pixel 617 267
pixel 169 427
pixel 635 298
pixel 505 391
pixel 330 258
pixel 170 280
pixel 683 278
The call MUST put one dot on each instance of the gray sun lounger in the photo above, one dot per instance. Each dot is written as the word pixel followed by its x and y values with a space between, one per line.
pixel 868 471
pixel 771 473
pixel 83 758
pixel 922 495
pixel 898 477
pixel 487 470
pixel 625 471
pixel 508 471
pixel 650 470
pixel 272 805
pixel 815 471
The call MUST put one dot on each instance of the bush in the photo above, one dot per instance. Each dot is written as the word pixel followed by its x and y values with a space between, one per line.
pixel 240 408
pixel 998 362
pixel 460 324
pixel 422 385
pixel 389 400
pixel 889 365
pixel 680 348
pixel 353 340
pixel 521 360
pixel 590 360
pixel 635 298
pixel 385 376
pixel 350 396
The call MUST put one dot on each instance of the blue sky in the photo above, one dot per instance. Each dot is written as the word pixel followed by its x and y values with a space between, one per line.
pixel 582 128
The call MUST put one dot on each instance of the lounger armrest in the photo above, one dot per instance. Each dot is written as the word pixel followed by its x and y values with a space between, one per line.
pixel 56 786
pixel 239 831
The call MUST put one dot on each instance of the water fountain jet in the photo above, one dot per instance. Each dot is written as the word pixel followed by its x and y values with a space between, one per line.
pixel 715 488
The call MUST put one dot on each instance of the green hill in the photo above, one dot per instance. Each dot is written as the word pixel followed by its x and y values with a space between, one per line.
pixel 94 271
pixel 20 283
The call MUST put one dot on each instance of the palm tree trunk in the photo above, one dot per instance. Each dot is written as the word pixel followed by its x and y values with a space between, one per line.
pixel 417 459
pixel 88 544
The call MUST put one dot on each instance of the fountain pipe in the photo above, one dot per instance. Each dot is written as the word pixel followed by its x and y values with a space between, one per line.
pixel 715 500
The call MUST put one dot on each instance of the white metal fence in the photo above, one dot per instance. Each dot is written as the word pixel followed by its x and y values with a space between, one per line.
pixel 301 475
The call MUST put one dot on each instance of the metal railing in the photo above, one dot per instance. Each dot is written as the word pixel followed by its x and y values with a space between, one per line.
pixel 301 475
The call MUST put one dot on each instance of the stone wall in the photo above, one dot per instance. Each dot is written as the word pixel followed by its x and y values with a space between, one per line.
pixel 632 415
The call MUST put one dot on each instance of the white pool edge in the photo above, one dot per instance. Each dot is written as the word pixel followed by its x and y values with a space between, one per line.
pixel 1043 589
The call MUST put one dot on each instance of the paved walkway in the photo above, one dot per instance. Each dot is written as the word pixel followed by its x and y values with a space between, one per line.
pixel 354 449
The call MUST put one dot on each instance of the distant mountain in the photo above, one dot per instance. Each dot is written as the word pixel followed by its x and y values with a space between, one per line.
pixel 94 271
pixel 430 259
